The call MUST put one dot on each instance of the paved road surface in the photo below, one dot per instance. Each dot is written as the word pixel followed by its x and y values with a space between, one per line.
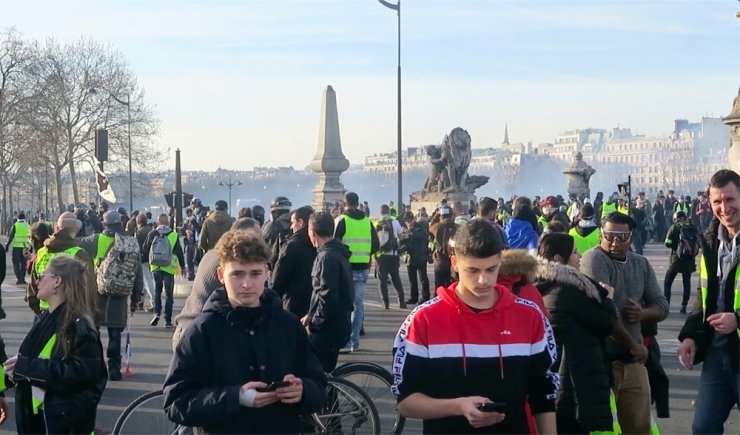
pixel 152 350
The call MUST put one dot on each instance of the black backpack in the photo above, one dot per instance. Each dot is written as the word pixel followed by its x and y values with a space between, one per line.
pixel 688 243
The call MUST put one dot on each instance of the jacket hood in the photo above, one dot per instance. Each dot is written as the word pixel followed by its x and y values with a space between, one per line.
pixel 335 246
pixel 164 229
pixel 220 217
pixel 218 302
pixel 585 230
pixel 354 213
pixel 566 275
pixel 60 241
pixel 516 263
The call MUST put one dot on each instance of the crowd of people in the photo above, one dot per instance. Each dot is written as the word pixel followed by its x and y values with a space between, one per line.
pixel 540 317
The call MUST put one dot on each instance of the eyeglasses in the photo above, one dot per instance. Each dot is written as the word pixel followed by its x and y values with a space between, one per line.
pixel 621 236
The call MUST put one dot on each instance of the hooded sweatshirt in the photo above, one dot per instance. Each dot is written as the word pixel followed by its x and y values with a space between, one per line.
pixel 445 349
pixel 521 234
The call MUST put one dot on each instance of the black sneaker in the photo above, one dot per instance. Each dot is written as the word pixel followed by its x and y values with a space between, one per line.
pixel 155 321
pixel 20 282
pixel 115 375
pixel 412 301
pixel 167 325
pixel 683 309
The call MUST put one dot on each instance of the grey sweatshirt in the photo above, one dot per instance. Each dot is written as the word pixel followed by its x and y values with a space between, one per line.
pixel 632 278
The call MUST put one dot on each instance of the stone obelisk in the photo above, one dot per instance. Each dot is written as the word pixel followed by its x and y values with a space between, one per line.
pixel 733 121
pixel 329 161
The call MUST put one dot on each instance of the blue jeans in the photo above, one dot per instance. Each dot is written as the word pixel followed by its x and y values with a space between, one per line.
pixel 359 280
pixel 719 392
pixel 166 280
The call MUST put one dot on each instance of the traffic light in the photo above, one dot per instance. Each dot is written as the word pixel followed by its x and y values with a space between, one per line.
pixel 101 145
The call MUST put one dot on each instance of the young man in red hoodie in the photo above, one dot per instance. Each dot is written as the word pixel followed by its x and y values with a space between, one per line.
pixel 474 344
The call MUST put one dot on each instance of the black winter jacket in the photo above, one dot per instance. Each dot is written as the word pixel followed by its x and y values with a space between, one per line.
pixel 291 276
pixel 73 384
pixel 333 295
pixel 582 318
pixel 673 241
pixel 416 244
pixel 226 347
pixel 696 326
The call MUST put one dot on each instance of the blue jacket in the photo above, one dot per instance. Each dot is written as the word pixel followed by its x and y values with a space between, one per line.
pixel 521 234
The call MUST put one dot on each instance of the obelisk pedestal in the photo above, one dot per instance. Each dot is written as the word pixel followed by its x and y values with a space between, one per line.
pixel 329 161
pixel 733 121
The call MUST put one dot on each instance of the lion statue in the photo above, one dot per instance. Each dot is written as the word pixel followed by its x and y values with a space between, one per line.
pixel 457 153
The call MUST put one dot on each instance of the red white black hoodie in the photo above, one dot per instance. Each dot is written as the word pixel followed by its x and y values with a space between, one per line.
pixel 445 349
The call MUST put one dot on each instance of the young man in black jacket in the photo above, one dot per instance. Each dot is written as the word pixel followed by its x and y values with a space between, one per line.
pixel 243 342
pixel 328 321
pixel 291 275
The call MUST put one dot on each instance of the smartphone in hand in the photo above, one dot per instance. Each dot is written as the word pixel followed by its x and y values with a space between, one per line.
pixel 273 386
pixel 493 407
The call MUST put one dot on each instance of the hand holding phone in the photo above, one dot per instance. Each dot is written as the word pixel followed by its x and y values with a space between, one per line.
pixel 272 386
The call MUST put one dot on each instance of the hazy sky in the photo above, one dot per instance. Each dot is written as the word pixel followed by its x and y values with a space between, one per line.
pixel 238 84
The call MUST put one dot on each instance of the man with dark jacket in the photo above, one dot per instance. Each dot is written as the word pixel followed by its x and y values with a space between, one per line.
pixel 164 274
pixel 328 321
pixel 291 275
pixel 277 230
pixel 415 242
pixel 243 342
pixel 682 232
pixel 214 227
pixel 711 331
pixel 355 230
pixel 142 232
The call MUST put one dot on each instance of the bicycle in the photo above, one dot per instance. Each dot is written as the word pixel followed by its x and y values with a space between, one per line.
pixel 348 410
pixel 376 381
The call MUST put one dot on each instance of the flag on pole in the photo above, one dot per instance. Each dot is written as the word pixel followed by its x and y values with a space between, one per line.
pixel 104 188
pixel 128 353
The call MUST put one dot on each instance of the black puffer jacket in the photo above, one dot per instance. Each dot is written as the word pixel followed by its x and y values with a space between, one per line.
pixel 332 300
pixel 582 317
pixel 417 244
pixel 226 347
pixel 291 276
pixel 73 384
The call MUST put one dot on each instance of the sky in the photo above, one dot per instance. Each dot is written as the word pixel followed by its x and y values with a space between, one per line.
pixel 238 84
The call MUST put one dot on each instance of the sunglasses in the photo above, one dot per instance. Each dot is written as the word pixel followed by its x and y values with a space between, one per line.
pixel 621 236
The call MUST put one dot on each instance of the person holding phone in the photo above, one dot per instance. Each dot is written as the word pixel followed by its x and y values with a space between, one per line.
pixel 469 360
pixel 244 365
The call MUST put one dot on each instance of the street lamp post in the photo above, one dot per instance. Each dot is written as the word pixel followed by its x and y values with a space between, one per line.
pixel 397 7
pixel 230 184
pixel 126 103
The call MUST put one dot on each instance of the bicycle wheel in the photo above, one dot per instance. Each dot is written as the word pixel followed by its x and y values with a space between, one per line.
pixel 376 382
pixel 145 415
pixel 348 410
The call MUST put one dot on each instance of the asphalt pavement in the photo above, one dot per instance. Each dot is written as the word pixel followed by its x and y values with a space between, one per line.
pixel 152 350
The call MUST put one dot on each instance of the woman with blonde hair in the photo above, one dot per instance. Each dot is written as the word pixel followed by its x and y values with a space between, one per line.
pixel 59 373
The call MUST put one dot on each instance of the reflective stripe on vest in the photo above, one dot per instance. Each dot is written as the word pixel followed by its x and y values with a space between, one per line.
pixel 43 257
pixel 704 283
pixel 616 428
pixel 3 387
pixel 357 238
pixel 37 394
pixel 172 268
pixel 104 244
pixel 583 244
pixel 20 238
pixel 607 208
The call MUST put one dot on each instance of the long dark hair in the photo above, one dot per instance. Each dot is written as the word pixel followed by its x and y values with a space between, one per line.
pixel 40 231
pixel 556 244
pixel 79 300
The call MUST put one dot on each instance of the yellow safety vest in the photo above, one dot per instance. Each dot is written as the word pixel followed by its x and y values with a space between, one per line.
pixel 607 208
pixel 104 244
pixel 172 268
pixel 704 282
pixel 37 394
pixel 622 210
pixel 543 222
pixel 682 207
pixel 20 239
pixel 43 257
pixel 357 238
pixel 583 244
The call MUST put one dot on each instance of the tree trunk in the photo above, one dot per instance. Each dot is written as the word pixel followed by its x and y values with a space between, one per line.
pixel 58 183
pixel 73 176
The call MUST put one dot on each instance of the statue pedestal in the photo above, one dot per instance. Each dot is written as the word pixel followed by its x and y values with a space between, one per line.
pixel 431 200
pixel 328 191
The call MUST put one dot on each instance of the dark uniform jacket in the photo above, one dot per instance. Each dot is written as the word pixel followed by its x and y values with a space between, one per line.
pixel 582 318
pixel 332 300
pixel 226 347
pixel 291 276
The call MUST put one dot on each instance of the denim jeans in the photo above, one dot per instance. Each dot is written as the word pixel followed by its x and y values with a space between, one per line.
pixel 359 280
pixel 166 280
pixel 718 392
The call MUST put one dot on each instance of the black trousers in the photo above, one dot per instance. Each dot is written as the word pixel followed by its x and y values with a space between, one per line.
pixel 113 352
pixel 390 265
pixel 442 272
pixel 670 275
pixel 3 267
pixel 19 264
pixel 417 272
pixel 327 350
